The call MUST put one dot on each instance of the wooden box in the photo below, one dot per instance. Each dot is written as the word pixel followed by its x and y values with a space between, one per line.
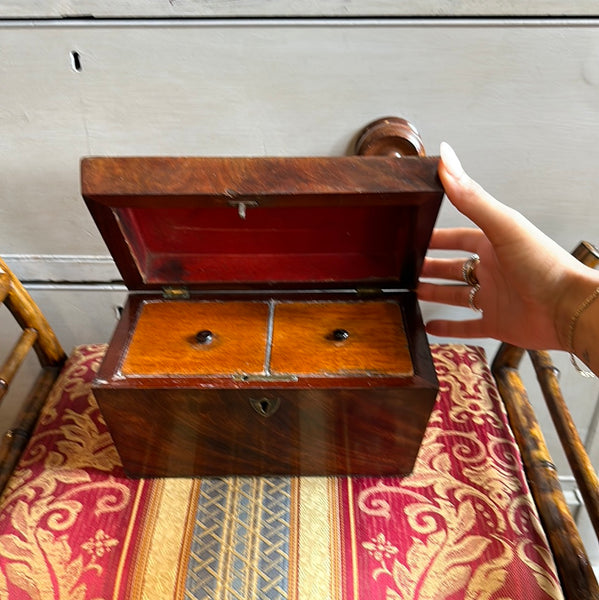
pixel 271 326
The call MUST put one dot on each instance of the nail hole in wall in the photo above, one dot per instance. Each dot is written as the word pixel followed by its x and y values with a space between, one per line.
pixel 76 61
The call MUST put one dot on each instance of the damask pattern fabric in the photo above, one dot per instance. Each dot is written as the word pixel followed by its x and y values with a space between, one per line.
pixel 462 526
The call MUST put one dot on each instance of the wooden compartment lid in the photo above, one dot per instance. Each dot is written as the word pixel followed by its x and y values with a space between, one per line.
pixel 266 222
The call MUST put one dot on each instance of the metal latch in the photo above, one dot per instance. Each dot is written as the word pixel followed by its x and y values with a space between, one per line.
pixel 264 377
pixel 241 206
pixel 175 293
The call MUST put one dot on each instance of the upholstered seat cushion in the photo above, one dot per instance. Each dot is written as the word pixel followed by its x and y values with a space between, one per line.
pixel 462 526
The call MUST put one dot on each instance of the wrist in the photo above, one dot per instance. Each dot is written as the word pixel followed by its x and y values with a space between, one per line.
pixel 587 319
pixel 572 303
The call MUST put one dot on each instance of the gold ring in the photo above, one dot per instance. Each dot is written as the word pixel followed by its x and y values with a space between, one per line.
pixel 471 295
pixel 468 270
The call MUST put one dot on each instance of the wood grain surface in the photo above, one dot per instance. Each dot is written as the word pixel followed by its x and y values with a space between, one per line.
pixel 304 339
pixel 164 339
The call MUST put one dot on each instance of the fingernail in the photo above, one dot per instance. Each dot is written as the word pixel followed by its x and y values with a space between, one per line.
pixel 451 161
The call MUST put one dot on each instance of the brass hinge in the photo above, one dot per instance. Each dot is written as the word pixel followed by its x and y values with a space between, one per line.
pixel 175 293
pixel 368 292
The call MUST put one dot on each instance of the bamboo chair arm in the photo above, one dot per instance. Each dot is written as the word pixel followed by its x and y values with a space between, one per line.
pixel 574 568
pixel 15 359
pixel 28 315
pixel 36 334
pixel 572 562
pixel 580 463
pixel 4 285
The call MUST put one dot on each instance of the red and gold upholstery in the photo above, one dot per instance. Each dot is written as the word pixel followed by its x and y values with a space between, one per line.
pixel 462 526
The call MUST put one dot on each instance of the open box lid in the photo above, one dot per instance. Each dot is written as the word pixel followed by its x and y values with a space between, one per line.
pixel 260 223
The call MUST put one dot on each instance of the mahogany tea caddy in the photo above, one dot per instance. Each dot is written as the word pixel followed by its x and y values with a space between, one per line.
pixel 271 325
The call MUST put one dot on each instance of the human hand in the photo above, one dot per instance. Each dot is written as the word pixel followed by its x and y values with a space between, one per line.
pixel 529 286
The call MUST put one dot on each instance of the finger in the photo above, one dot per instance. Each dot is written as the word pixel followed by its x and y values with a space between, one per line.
pixel 457 238
pixel 470 198
pixel 454 295
pixel 443 268
pixel 474 328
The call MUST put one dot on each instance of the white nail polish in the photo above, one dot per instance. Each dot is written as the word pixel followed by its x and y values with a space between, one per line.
pixel 450 160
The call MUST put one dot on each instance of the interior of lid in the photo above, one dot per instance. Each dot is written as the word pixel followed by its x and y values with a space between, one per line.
pixel 377 242
pixel 370 244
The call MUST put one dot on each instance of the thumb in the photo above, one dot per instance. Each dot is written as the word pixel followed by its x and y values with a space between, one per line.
pixel 469 197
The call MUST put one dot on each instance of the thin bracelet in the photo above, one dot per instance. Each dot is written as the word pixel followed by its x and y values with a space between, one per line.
pixel 573 322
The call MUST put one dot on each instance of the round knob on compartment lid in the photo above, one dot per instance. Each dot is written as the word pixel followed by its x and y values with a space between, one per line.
pixel 204 337
pixel 340 335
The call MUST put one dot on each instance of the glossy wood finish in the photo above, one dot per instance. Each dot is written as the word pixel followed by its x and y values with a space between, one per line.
pixel 269 181
pixel 390 136
pixel 191 424
pixel 178 425
pixel 180 431
pixel 164 341
pixel 4 285
pixel 587 253
pixel 299 384
pixel 27 314
pixel 271 337
pixel 574 568
pixel 423 372
pixel 583 470
pixel 15 358
pixel 16 438
pixel 280 223
pixel 340 339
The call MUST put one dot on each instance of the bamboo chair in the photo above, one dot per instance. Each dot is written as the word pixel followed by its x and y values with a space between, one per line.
pixel 36 334
pixel 574 568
